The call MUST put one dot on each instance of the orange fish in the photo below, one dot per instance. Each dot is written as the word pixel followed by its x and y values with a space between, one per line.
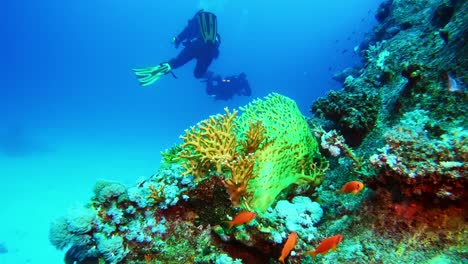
pixel 290 244
pixel 353 187
pixel 243 217
pixel 326 245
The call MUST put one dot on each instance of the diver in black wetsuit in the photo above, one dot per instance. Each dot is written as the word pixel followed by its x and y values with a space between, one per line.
pixel 201 41
pixel 226 88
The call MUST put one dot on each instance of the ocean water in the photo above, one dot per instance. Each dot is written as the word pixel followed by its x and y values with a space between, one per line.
pixel 72 112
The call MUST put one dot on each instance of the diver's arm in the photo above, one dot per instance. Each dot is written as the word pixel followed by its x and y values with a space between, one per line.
pixel 187 33
pixel 190 31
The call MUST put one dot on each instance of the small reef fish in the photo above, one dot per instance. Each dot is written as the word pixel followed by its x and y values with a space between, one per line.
pixel 243 217
pixel 353 187
pixel 290 244
pixel 326 245
pixel 453 85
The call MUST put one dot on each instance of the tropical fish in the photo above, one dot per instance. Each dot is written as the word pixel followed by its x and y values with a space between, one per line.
pixel 353 187
pixel 243 217
pixel 453 85
pixel 326 245
pixel 290 244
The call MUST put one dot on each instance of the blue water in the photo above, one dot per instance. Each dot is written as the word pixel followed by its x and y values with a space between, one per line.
pixel 72 112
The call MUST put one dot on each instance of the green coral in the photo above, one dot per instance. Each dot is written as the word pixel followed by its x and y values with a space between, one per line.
pixel 171 155
pixel 291 155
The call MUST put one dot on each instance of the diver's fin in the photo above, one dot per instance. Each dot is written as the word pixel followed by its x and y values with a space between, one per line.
pixel 149 75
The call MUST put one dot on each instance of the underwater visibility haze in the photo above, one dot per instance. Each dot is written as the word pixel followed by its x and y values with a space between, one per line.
pixel 252 132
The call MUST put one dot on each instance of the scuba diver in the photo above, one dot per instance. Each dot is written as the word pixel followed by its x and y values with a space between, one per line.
pixel 201 41
pixel 226 88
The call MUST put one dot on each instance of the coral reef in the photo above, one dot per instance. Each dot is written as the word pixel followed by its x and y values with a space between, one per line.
pixel 398 126
pixel 413 160
pixel 300 215
pixel 354 115
pixel 422 163
pixel 225 163
pixel 262 152
pixel 121 224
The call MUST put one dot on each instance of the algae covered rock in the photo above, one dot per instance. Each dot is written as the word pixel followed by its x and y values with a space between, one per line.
pixel 354 114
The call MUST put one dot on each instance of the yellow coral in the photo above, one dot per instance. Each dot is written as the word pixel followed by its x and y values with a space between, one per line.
pixel 241 173
pixel 255 136
pixel 156 195
pixel 213 146
pixel 213 142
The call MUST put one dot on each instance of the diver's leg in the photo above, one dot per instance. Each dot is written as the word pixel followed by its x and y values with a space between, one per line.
pixel 202 66
pixel 186 55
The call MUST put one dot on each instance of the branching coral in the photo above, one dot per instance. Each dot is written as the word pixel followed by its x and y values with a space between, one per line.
pixel 241 173
pixel 242 169
pixel 211 145
pixel 156 195
pixel 171 155
pixel 254 137
pixel 214 146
